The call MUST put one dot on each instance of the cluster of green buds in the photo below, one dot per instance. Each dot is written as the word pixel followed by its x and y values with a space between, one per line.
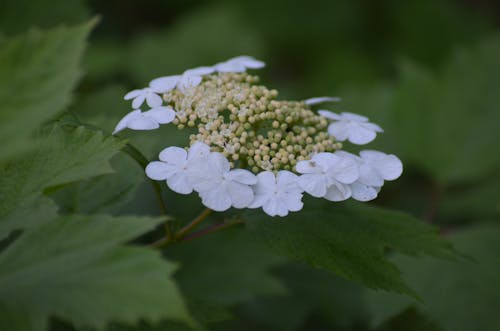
pixel 247 124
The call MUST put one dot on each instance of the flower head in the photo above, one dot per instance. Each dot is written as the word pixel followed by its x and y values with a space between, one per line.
pixel 148 94
pixel 249 149
pixel 148 120
pixel 178 167
pixel 352 127
pixel 327 175
pixel 374 167
pixel 220 187
pixel 277 194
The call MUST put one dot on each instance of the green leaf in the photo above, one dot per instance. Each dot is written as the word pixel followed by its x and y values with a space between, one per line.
pixel 459 295
pixel 77 269
pixel 232 268
pixel 350 241
pixel 105 194
pixel 19 15
pixel 61 157
pixel 446 123
pixel 213 33
pixel 38 71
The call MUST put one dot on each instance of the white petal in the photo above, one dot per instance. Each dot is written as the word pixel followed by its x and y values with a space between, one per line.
pixel 242 176
pixel 308 167
pixel 180 183
pixel 339 130
pixel 158 170
pixel 248 62
pixel 258 200
pixel 345 171
pixel 318 100
pixel 338 192
pixel 162 115
pixel 389 166
pixel 363 192
pixel 230 67
pixel 174 155
pixel 188 81
pixel 133 94
pixel 369 175
pixel 314 184
pixel 138 101
pixel 330 115
pixel 266 183
pixel 164 84
pixel 353 117
pixel 142 123
pixel 153 100
pixel 241 195
pixel 371 126
pixel 198 149
pixel 123 122
pixel 293 201
pixel 219 162
pixel 359 135
pixel 288 182
pixel 275 206
pixel 200 71
pixel 217 199
pixel 325 160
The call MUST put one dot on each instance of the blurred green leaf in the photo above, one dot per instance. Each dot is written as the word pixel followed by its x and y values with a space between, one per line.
pixel 225 268
pixel 446 123
pixel 462 204
pixel 38 71
pixel 75 268
pixel 285 313
pixel 19 15
pixel 350 242
pixel 459 295
pixel 205 37
pixel 337 300
pixel 61 157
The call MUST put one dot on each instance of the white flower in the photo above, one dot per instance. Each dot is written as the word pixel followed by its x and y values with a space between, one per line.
pixel 317 100
pixel 148 120
pixel 149 94
pixel 190 78
pixel 374 168
pixel 277 195
pixel 352 127
pixel 178 167
pixel 239 64
pixel 220 187
pixel 327 176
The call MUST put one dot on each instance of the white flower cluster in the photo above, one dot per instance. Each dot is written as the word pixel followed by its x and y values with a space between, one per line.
pixel 151 119
pixel 294 157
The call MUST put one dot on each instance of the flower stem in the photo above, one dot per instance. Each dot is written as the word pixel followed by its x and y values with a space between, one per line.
pixel 211 229
pixel 191 225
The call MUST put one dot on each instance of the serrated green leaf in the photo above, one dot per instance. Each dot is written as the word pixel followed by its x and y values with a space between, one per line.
pixel 105 194
pixel 38 71
pixel 232 268
pixel 459 295
pixel 61 157
pixel 77 269
pixel 350 242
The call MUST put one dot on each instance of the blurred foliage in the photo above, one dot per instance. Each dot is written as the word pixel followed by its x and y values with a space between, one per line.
pixel 427 71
